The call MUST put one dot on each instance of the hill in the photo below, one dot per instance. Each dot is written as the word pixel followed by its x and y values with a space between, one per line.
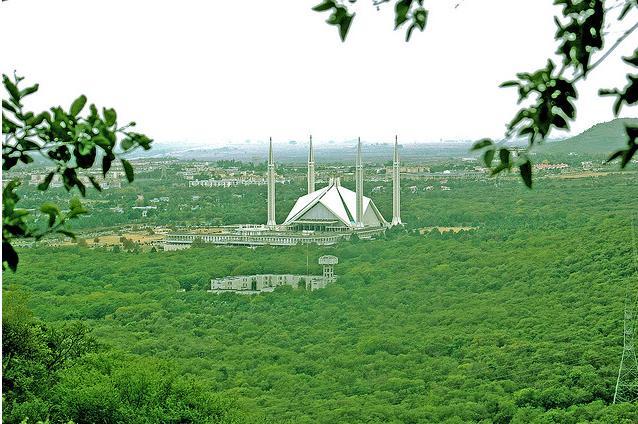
pixel 601 139
pixel 518 321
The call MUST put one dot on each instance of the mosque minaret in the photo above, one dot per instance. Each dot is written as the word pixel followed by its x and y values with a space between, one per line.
pixel 271 188
pixel 323 216
pixel 396 186
pixel 359 187
pixel 311 168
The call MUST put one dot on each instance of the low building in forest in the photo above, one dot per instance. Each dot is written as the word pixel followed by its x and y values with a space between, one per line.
pixel 260 283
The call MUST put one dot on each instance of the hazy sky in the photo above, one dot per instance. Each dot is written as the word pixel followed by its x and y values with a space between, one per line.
pixel 213 72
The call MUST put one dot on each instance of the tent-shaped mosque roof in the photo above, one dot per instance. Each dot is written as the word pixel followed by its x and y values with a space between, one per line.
pixel 331 203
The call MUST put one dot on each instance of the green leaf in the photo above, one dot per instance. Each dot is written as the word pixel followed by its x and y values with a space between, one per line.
pixel 482 144
pixel 78 105
pixel 559 122
pixel 10 256
pixel 96 185
pixel 509 84
pixel 67 233
pixel 85 156
pixel 44 185
pixel 29 90
pixel 106 164
pixel 632 60
pixel 127 143
pixel 626 158
pixel 80 185
pixel 76 208
pixel 52 210
pixel 401 10
pixel 626 8
pixel 326 5
pixel 615 155
pixel 344 26
pixel 110 116
pixel 75 204
pixel 128 170
pixel 8 126
pixel 420 18
pixel 141 140
pixel 504 156
pixel 12 89
pixel 8 106
pixel 39 118
pixel 526 173
pixel 24 158
pixel 408 34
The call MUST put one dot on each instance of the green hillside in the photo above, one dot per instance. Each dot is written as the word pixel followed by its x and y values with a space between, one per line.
pixel 603 139
pixel 518 321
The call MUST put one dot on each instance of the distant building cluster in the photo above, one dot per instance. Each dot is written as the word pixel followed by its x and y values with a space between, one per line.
pixel 550 166
pixel 192 170
pixel 113 180
pixel 234 182
pixel 408 169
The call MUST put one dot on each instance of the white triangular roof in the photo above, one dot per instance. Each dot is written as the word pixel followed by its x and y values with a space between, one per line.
pixel 340 201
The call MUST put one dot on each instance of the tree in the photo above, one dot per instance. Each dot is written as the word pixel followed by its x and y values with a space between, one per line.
pixel 198 242
pixel 33 353
pixel 549 92
pixel 127 244
pixel 69 142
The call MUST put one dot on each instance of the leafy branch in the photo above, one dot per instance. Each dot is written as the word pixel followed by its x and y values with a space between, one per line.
pixel 339 17
pixel 71 143
pixel 405 11
pixel 550 95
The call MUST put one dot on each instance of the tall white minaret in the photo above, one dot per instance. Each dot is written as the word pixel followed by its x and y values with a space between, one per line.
pixel 271 188
pixel 396 186
pixel 311 168
pixel 359 187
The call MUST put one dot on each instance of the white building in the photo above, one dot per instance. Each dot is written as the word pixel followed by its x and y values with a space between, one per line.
pixel 335 208
pixel 332 208
pixel 324 216
pixel 263 283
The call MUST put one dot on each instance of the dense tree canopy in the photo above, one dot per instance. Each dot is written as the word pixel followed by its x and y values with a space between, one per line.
pixel 429 327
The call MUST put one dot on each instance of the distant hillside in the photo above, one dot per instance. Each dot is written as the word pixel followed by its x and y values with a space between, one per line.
pixel 602 138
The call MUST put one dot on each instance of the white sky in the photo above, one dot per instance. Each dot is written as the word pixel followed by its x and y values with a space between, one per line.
pixel 213 72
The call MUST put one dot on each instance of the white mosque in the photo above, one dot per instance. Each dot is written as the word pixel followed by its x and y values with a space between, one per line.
pixel 324 216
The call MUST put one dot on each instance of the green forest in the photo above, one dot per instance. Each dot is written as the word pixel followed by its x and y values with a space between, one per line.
pixel 517 321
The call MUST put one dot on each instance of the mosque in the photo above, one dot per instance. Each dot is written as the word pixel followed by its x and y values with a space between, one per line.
pixel 323 216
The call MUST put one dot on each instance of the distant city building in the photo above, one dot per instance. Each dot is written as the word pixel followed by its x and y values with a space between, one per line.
pixel 160 199
pixel 144 209
pixel 262 283
pixel 550 166
pixel 234 182
pixel 409 169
